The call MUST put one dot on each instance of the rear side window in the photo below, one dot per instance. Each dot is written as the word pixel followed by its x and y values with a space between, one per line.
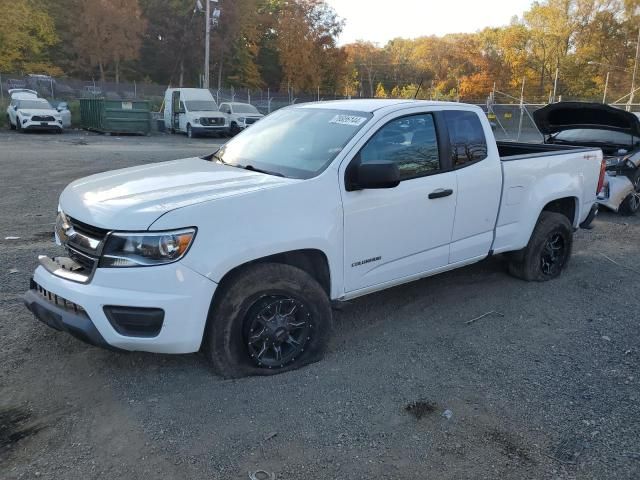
pixel 468 142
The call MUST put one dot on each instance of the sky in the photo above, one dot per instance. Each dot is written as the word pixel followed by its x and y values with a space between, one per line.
pixel 380 21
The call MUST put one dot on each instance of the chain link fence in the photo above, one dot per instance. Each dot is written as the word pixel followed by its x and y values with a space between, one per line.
pixel 509 120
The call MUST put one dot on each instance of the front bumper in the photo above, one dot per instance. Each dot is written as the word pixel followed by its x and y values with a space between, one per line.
pixel 204 130
pixel 61 316
pixel 182 294
pixel 41 126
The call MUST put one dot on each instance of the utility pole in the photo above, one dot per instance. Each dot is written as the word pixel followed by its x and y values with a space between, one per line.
pixel 207 43
pixel 555 85
pixel 606 87
pixel 635 72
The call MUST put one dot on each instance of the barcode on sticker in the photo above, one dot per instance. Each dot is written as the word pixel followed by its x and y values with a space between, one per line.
pixel 352 120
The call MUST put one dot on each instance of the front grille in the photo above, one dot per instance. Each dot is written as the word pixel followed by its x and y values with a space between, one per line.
pixel 56 299
pixel 212 121
pixel 42 118
pixel 87 261
pixel 84 244
pixel 89 230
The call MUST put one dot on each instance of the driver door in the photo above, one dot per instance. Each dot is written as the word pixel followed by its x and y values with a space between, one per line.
pixel 175 109
pixel 182 117
pixel 396 233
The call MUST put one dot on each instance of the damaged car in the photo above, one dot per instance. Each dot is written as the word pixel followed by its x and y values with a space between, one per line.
pixel 615 131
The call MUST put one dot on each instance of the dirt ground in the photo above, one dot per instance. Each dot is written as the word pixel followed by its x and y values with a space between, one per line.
pixel 548 389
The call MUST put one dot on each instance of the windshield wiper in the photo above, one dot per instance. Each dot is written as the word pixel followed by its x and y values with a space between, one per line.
pixel 259 170
pixel 251 168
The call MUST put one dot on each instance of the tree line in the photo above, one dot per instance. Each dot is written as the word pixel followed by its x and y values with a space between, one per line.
pixel 292 44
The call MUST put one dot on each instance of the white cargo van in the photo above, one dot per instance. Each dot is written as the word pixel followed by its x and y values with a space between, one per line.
pixel 193 111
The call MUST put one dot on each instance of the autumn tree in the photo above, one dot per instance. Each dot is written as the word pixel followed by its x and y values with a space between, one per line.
pixel 306 40
pixel 108 32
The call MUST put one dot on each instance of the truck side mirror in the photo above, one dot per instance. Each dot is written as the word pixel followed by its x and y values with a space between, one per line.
pixel 374 175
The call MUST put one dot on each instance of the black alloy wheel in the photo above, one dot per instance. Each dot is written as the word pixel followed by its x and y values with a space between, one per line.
pixel 277 329
pixel 554 255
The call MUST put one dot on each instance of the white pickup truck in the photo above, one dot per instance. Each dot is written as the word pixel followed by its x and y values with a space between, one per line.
pixel 241 253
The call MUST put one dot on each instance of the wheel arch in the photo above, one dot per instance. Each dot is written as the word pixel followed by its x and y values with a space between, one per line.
pixel 567 206
pixel 313 261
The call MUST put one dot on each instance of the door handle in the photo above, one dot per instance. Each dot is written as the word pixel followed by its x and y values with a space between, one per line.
pixel 440 193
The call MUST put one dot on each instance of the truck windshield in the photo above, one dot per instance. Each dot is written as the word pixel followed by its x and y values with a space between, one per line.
pixel 294 142
pixel 201 106
pixel 242 108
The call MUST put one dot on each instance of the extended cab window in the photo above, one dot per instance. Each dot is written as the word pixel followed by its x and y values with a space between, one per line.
pixel 410 142
pixel 468 142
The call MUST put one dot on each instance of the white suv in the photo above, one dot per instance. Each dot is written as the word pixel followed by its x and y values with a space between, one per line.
pixel 28 112
pixel 241 115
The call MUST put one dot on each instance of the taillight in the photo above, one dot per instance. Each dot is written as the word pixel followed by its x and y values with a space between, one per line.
pixel 603 169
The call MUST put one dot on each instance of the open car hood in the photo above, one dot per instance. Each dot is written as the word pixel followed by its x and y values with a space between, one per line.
pixel 557 117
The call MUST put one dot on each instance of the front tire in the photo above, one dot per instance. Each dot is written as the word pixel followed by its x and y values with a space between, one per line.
pixel 267 319
pixel 631 204
pixel 235 129
pixel 11 125
pixel 190 133
pixel 548 251
pixel 18 126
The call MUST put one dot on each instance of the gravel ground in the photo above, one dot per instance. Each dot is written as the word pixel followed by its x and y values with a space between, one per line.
pixel 548 390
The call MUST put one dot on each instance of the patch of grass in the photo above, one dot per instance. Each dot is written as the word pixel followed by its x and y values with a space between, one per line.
pixel 4 103
pixel 74 108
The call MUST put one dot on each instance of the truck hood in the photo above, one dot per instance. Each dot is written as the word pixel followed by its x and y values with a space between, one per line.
pixel 557 117
pixel 210 113
pixel 134 198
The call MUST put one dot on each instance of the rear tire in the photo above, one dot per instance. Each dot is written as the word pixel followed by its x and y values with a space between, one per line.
pixel 262 310
pixel 548 251
pixel 631 204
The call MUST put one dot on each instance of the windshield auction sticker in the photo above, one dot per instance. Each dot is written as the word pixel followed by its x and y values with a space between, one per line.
pixel 351 120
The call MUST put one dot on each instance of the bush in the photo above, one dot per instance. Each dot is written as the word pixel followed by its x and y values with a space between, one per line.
pixel 3 115
pixel 74 108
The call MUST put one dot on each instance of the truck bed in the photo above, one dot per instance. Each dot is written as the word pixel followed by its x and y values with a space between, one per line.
pixel 533 175
pixel 510 151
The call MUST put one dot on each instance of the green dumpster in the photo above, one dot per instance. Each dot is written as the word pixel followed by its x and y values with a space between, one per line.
pixel 131 117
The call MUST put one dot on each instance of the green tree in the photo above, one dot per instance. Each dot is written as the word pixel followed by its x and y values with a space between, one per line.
pixel 25 35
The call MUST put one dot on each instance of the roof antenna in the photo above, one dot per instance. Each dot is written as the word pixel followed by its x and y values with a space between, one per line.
pixel 418 90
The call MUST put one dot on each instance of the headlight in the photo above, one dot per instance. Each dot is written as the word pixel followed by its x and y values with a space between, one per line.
pixel 242 119
pixel 146 249
pixel 196 120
